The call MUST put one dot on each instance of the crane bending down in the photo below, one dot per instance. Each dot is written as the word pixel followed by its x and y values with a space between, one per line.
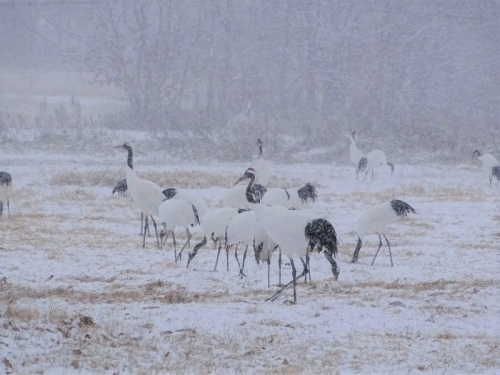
pixel 376 219
pixel 490 164
pixel 214 226
pixel 373 159
pixel 297 198
pixel 355 154
pixel 5 186
pixel 177 213
pixel 294 233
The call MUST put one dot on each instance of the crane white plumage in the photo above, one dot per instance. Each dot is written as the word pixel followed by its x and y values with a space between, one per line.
pixel 241 229
pixel 375 219
pixel 355 154
pixel 294 232
pixel 490 164
pixel 214 226
pixel 121 189
pixel 373 159
pixel 297 197
pixel 146 194
pixel 197 201
pixel 5 186
pixel 175 213
pixel 261 167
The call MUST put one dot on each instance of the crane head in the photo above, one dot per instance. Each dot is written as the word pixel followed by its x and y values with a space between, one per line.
pixel 125 146
pixel 249 173
pixel 353 133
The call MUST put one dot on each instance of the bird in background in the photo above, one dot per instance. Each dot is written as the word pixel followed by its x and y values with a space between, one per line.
pixel 5 186
pixel 373 159
pixel 355 154
pixel 375 219
pixel 490 164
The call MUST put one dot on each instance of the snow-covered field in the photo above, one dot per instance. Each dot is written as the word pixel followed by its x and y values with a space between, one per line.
pixel 79 294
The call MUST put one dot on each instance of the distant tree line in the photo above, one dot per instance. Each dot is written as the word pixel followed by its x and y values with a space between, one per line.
pixel 420 73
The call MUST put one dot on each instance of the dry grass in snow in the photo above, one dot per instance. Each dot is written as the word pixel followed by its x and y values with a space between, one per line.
pixel 78 293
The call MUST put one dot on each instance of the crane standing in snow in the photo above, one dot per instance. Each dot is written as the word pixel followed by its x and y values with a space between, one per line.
pixel 294 232
pixel 214 226
pixel 5 186
pixel 490 164
pixel 177 213
pixel 373 159
pixel 146 194
pixel 355 154
pixel 375 219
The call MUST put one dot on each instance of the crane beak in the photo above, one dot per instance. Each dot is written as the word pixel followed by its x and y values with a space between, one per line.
pixel 244 177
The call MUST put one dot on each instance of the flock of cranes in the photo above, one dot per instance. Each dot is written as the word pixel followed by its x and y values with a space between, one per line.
pixel 258 217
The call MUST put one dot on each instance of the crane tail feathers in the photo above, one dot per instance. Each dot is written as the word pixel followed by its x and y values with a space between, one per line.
pixel 401 208
pixel 496 172
pixel 307 192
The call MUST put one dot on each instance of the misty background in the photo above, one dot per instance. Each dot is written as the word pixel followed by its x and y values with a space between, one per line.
pixel 418 79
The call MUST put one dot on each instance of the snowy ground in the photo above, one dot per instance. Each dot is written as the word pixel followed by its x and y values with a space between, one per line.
pixel 78 294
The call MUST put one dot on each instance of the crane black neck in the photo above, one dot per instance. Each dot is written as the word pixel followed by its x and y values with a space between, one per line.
pixel 249 193
pixel 130 156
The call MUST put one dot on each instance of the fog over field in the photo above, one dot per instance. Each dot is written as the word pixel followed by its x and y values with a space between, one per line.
pixel 191 86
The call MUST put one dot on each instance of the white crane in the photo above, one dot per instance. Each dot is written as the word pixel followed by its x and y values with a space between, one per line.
pixel 373 159
pixel 375 219
pixel 264 248
pixel 355 154
pixel 121 189
pixel 146 194
pixel 295 233
pixel 214 226
pixel 235 197
pixel 5 186
pixel 177 213
pixel 241 229
pixel 490 164
pixel 261 167
pixel 297 198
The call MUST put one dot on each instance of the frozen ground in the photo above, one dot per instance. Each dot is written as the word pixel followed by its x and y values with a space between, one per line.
pixel 78 294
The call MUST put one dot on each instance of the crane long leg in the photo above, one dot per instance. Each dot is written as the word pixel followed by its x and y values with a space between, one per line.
pixel 189 236
pixel 142 220
pixel 368 170
pixel 279 266
pixel 372 174
pixel 156 232
pixel 243 263
pixel 236 256
pixel 166 237
pixel 389 246
pixel 269 273
pixel 8 203
pixel 379 246
pixel 305 266
pixel 294 281
pixel 227 257
pixel 175 245
pixel 218 252
pixel 335 269
pixel 146 223
pixel 357 173
pixel 307 263
pixel 1 209
pixel 180 252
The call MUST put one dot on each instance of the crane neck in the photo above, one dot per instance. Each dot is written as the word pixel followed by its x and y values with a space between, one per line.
pixel 248 192
pixel 130 157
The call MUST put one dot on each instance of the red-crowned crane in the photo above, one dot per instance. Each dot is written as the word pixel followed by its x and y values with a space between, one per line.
pixel 375 219
pixel 177 213
pixel 373 159
pixel 214 226
pixel 235 197
pixel 490 164
pixel 121 189
pixel 5 186
pixel 294 232
pixel 355 154
pixel 297 198
pixel 146 194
